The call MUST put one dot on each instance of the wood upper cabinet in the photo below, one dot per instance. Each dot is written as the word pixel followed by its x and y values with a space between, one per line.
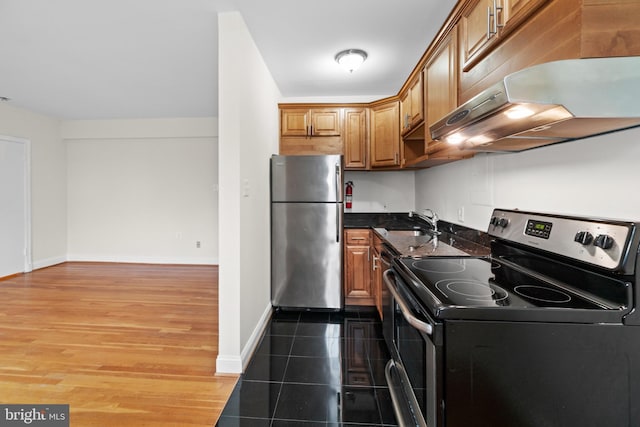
pixel 476 23
pixel 355 138
pixel 310 122
pixel 412 105
pixel 441 75
pixel 385 135
pixel 484 23
pixel 441 97
pixel 310 129
pixel 357 267
pixel 539 31
pixel 441 80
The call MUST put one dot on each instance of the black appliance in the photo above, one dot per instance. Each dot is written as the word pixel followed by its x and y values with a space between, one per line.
pixel 543 332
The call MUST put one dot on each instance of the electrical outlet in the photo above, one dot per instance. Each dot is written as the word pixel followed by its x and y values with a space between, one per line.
pixel 461 214
pixel 198 244
pixel 245 188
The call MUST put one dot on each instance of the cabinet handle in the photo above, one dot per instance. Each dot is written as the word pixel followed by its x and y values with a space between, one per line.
pixel 375 262
pixel 368 253
pixel 358 238
pixel 489 15
pixel 494 14
pixel 496 8
pixel 395 158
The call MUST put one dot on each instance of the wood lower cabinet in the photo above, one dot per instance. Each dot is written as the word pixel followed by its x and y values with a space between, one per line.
pixel 357 267
pixel 385 135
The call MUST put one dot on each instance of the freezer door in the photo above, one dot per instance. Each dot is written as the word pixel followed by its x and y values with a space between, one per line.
pixel 306 255
pixel 306 178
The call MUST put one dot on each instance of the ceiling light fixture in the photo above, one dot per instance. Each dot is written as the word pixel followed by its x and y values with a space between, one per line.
pixel 351 59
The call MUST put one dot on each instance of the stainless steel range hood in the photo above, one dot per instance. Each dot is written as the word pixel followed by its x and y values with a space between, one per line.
pixel 548 103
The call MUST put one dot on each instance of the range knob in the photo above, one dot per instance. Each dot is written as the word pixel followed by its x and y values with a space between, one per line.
pixel 494 220
pixel 583 237
pixel 603 241
pixel 503 222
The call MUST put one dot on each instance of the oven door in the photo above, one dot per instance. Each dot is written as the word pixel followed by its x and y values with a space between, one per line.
pixel 414 374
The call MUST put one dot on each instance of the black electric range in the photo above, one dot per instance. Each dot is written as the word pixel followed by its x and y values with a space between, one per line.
pixel 544 331
pixel 530 276
pixel 495 289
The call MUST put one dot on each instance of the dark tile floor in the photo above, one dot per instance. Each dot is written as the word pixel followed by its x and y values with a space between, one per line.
pixel 314 369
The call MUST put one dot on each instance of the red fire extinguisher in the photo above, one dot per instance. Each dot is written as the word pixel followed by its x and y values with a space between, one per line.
pixel 348 194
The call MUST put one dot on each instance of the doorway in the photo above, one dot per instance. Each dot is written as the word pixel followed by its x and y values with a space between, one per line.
pixel 15 208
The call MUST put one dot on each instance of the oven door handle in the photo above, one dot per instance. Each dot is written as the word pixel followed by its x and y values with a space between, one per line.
pixel 406 416
pixel 406 312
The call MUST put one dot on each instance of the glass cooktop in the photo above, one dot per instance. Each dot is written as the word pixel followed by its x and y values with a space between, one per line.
pixel 481 288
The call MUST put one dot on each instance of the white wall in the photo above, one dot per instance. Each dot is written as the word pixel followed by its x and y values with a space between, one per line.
pixel 382 191
pixel 48 181
pixel 595 177
pixel 248 114
pixel 142 190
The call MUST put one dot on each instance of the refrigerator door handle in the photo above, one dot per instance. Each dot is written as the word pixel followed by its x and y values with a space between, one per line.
pixel 338 184
pixel 338 223
pixel 338 199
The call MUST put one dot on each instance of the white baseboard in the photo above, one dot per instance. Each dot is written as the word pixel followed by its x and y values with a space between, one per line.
pixel 226 364
pixel 48 262
pixel 231 364
pixel 142 259
pixel 254 339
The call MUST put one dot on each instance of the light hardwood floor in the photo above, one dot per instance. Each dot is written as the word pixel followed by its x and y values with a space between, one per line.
pixel 122 344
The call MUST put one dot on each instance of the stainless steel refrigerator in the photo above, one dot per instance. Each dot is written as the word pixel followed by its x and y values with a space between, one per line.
pixel 306 232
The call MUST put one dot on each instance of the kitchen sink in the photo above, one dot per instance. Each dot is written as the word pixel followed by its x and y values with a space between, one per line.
pixel 411 233
pixel 421 242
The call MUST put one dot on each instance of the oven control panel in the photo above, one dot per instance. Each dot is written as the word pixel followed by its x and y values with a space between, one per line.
pixel 604 243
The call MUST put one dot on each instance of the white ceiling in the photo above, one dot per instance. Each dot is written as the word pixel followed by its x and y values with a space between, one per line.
pixel 107 59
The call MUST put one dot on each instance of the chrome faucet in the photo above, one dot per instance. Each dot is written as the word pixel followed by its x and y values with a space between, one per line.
pixel 431 220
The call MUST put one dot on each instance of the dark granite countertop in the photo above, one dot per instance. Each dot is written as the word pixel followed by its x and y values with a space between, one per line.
pixel 442 245
pixel 455 240
pixel 388 220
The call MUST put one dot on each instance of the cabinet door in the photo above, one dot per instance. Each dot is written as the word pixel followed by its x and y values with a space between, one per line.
pixel 511 7
pixel 417 104
pixel 355 138
pixel 442 81
pixel 515 12
pixel 358 280
pixel 385 135
pixel 405 111
pixel 357 268
pixel 294 122
pixel 411 105
pixel 325 122
pixel 476 23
